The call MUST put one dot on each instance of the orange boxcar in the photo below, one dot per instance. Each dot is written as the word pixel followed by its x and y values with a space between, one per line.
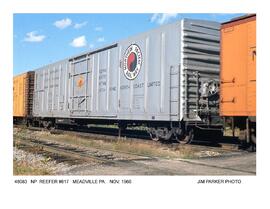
pixel 238 75
pixel 238 67
pixel 23 95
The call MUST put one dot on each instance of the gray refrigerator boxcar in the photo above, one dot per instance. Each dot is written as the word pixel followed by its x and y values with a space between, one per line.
pixel 166 74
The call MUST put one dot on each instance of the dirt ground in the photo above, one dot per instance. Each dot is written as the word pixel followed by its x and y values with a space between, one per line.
pixel 244 164
pixel 163 160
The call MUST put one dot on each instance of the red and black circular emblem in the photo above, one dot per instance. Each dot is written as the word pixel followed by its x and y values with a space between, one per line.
pixel 132 61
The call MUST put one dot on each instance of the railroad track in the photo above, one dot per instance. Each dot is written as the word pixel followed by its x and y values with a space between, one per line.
pixel 200 144
pixel 74 155
pixel 110 157
pixel 101 133
pixel 64 149
pixel 85 155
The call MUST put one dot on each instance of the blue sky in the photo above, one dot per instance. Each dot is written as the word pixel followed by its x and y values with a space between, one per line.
pixel 40 39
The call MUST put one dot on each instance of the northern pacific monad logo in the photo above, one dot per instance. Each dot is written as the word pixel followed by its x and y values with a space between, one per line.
pixel 132 61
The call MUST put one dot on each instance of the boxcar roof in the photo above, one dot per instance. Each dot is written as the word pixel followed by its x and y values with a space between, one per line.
pixel 239 20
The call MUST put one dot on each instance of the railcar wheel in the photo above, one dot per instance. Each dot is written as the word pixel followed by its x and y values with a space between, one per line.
pixel 47 124
pixel 154 137
pixel 187 138
pixel 157 134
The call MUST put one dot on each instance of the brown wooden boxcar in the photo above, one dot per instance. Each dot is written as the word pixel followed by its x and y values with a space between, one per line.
pixel 23 87
pixel 238 75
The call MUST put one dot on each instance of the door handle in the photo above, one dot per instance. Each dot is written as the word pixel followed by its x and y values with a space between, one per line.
pixel 228 81
pixel 253 54
pixel 228 101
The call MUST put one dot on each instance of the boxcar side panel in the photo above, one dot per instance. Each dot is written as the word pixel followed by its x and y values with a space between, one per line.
pixel 19 95
pixel 51 93
pixel 23 88
pixel 114 83
pixel 148 96
pixel 238 69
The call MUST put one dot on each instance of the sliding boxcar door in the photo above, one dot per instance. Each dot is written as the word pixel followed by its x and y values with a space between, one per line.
pixel 80 81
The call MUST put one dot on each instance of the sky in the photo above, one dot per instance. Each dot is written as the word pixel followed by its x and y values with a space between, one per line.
pixel 40 39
